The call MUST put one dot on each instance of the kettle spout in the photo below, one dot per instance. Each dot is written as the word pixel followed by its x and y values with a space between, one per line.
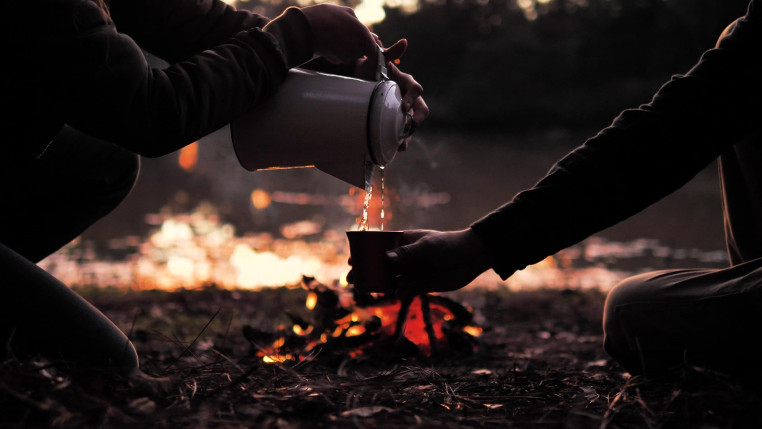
pixel 358 173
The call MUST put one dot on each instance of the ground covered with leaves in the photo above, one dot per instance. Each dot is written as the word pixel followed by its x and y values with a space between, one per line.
pixel 539 362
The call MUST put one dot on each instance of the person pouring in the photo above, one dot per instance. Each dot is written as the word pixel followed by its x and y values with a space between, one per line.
pixel 85 104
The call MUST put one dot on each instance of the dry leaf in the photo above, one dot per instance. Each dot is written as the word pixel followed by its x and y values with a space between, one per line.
pixel 366 411
pixel 589 393
pixel 142 405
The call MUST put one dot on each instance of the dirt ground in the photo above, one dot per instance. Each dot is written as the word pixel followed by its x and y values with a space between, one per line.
pixel 538 363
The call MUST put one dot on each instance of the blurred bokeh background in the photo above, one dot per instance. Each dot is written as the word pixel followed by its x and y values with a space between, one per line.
pixel 512 86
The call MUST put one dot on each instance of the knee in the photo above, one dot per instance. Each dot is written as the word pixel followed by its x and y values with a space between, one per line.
pixel 629 290
pixel 115 179
pixel 125 174
pixel 127 361
pixel 616 341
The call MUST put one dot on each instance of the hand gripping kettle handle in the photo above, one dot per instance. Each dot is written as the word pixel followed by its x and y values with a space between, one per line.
pixel 382 74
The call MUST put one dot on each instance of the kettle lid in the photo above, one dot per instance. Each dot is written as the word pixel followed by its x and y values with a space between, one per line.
pixel 386 122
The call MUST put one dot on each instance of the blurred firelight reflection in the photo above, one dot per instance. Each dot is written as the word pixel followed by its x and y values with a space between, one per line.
pixel 188 156
pixel 260 199
pixel 369 12
pixel 195 249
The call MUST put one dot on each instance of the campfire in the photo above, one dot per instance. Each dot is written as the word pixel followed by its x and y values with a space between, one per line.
pixel 346 323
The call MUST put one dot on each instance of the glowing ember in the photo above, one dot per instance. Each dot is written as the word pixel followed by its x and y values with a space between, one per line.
pixel 298 330
pixel 277 358
pixel 311 301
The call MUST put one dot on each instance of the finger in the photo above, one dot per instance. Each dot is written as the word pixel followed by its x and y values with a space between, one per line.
pixel 410 88
pixel 396 51
pixel 395 259
pixel 401 260
pixel 413 235
pixel 420 110
pixel 411 95
pixel 404 144
pixel 377 39
pixel 409 128
pixel 408 84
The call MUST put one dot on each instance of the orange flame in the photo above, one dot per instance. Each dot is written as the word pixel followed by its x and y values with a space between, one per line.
pixel 355 324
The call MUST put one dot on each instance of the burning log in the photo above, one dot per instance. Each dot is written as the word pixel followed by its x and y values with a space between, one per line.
pixel 369 324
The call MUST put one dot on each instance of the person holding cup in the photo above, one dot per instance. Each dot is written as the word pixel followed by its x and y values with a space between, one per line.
pixel 654 323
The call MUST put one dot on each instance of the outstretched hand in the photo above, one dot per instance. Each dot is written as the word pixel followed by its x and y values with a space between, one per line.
pixel 438 261
pixel 339 36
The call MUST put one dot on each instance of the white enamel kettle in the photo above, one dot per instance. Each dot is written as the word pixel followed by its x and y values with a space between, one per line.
pixel 341 125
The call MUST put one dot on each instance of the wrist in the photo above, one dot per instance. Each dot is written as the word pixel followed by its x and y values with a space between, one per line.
pixel 477 247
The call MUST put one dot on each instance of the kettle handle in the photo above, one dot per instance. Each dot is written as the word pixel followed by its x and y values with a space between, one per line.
pixel 381 72
pixel 409 126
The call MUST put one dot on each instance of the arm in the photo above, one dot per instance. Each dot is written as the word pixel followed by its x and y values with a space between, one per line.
pixel 101 84
pixel 104 86
pixel 645 154
pixel 176 29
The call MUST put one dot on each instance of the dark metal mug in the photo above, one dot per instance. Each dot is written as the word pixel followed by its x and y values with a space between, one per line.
pixel 370 268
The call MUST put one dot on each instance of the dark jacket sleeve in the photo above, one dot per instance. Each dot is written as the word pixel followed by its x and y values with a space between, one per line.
pixel 646 154
pixel 173 31
pixel 98 81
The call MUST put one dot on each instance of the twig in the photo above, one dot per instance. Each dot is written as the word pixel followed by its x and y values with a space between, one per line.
pixel 194 340
pixel 399 329
pixel 426 310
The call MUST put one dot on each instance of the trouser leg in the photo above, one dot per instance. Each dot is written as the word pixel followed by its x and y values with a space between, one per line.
pixel 47 202
pixel 741 184
pixel 661 320
pixel 656 322
pixel 41 316
pixel 44 204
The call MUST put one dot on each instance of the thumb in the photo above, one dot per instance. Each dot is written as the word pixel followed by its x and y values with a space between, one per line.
pixel 399 258
pixel 395 51
pixel 393 258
